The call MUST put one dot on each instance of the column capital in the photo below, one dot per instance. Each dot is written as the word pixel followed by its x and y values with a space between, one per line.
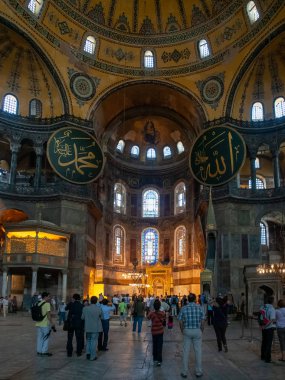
pixel 14 147
pixel 64 271
pixel 39 150
pixel 35 268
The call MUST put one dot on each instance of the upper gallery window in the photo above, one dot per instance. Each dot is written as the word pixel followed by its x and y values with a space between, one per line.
pixel 148 59
pixel 259 183
pixel 120 146
pixel 263 239
pixel 180 243
pixel 166 152
pixel 119 243
pixel 204 50
pixel 90 44
pixel 279 107
pixel 151 154
pixel 35 6
pixel 10 104
pixel 35 108
pixel 180 147
pixel 135 151
pixel 257 111
pixel 180 198
pixel 257 163
pixel 252 12
pixel 150 203
pixel 120 198
pixel 149 246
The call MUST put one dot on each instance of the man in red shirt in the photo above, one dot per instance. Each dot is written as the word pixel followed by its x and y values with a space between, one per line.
pixel 157 318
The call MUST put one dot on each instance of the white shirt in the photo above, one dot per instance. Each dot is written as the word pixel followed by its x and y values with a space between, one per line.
pixel 280 318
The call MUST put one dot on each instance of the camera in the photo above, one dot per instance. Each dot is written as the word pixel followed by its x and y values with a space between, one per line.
pixel 53 328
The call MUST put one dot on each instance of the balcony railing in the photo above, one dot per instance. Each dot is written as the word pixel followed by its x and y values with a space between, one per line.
pixel 41 260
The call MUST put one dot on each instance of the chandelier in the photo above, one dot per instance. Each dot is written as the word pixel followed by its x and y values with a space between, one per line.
pixel 277 268
pixel 137 277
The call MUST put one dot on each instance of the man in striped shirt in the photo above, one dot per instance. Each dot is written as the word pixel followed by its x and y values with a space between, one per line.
pixel 191 321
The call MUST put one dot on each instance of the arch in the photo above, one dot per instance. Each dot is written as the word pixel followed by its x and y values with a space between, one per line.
pixel 118 244
pixel 120 198
pixel 180 244
pixel 10 104
pixel 150 203
pixel 179 198
pixel 150 244
pixel 257 112
pixel 279 107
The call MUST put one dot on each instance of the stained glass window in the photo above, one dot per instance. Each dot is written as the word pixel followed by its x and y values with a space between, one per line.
pixel 252 11
pixel 180 198
pixel 90 45
pixel 259 184
pixel 119 198
pixel 263 239
pixel 150 240
pixel 257 111
pixel 279 107
pixel 180 241
pixel 150 204
pixel 10 104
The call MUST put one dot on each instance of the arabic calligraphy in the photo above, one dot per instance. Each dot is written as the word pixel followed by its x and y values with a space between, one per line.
pixel 217 155
pixel 75 155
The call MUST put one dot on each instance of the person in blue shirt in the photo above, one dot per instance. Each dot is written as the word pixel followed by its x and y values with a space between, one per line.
pixel 105 319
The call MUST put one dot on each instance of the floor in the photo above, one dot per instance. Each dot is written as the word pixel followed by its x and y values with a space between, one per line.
pixel 129 356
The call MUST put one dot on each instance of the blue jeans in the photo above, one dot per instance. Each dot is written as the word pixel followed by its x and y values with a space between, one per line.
pixel 137 320
pixel 103 336
pixel 43 334
pixel 61 317
pixel 91 344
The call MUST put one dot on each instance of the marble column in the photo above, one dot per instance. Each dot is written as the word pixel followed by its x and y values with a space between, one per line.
pixel 4 283
pixel 253 172
pixel 9 283
pixel 14 147
pixel 59 286
pixel 34 280
pixel 276 168
pixel 64 285
pixel 38 172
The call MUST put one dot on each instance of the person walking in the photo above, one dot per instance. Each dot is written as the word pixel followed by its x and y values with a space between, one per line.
pixel 92 317
pixel 138 314
pixel 61 312
pixel 74 309
pixel 268 331
pixel 280 327
pixel 105 320
pixel 44 326
pixel 157 318
pixel 191 321
pixel 123 312
pixel 220 322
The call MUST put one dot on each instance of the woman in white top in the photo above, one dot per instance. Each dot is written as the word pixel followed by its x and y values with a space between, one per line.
pixel 280 326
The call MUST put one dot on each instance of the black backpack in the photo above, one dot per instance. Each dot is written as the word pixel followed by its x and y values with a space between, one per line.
pixel 36 311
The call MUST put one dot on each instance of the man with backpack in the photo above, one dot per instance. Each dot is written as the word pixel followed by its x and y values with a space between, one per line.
pixel 43 310
pixel 268 330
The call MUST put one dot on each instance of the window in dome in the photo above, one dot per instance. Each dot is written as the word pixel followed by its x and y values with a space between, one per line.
pixel 279 107
pixel 151 154
pixel 203 49
pixel 180 243
pixel 135 151
pixel 260 184
pixel 180 147
pixel 120 198
pixel 150 204
pixel 180 198
pixel 10 104
pixel 35 108
pixel 148 59
pixel 257 163
pixel 263 239
pixel 166 152
pixel 252 12
pixel 90 44
pixel 257 111
pixel 150 244
pixel 119 243
pixel 120 146
pixel 35 6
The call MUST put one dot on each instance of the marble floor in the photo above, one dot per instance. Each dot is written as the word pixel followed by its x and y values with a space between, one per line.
pixel 130 356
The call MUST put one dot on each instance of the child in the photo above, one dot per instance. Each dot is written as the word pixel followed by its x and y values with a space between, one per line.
pixel 170 322
pixel 157 318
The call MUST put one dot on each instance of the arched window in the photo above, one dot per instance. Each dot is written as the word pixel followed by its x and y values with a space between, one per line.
pixel 35 108
pixel 263 237
pixel 150 201
pixel 252 12
pixel 279 107
pixel 90 44
pixel 180 198
pixel 257 111
pixel 10 104
pixel 150 240
pixel 35 6
pixel 151 154
pixel 180 147
pixel 119 244
pixel 120 146
pixel 257 163
pixel 148 59
pixel 135 151
pixel 166 152
pixel 203 49
pixel 120 198
pixel 180 243
pixel 259 184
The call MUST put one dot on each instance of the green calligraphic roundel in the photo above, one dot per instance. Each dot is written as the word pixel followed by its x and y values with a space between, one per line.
pixel 217 155
pixel 75 155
